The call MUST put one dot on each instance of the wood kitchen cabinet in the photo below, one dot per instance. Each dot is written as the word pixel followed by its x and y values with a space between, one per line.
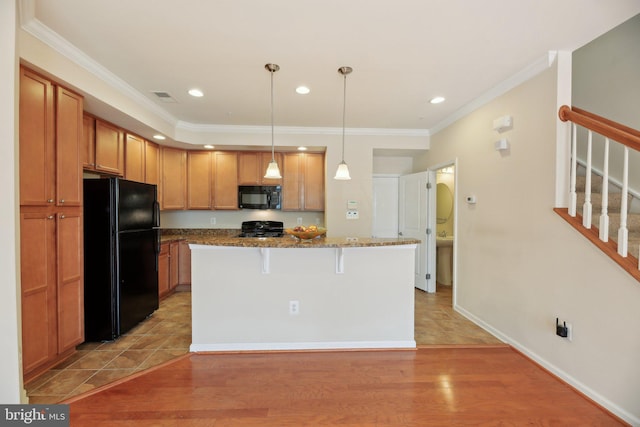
pixel 252 166
pixel 164 277
pixel 225 180
pixel 88 142
pixel 109 148
pixel 50 132
pixel 151 163
pixel 168 268
pixel 184 264
pixel 173 183
pixel 303 182
pixel 134 158
pixel 51 230
pixel 199 179
pixel 174 265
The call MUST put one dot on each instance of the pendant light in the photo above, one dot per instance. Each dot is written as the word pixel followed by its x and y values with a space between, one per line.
pixel 272 170
pixel 343 171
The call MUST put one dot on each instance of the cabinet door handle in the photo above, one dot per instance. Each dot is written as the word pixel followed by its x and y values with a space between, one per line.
pixel 50 201
pixel 61 200
pixel 50 217
pixel 62 216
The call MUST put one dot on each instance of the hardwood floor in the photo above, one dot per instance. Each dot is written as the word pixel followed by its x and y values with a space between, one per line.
pixel 426 387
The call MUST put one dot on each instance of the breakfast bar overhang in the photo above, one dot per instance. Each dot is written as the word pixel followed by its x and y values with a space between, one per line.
pixel 286 294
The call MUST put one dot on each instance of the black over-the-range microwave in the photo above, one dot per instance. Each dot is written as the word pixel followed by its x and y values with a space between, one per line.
pixel 259 196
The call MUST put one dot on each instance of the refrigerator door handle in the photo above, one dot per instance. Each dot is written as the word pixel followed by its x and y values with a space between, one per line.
pixel 156 214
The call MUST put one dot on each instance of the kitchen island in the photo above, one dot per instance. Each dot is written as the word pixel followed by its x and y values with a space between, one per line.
pixel 286 294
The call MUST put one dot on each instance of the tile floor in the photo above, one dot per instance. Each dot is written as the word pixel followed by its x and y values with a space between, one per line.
pixel 436 323
pixel 167 334
pixel 163 336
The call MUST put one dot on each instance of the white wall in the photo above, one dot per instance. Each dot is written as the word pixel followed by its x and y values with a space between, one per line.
pixel 519 265
pixel 10 363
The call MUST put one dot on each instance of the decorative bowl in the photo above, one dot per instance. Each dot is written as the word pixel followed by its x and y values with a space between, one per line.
pixel 306 234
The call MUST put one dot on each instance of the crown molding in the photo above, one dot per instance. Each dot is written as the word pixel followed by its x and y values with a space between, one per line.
pixel 33 26
pixel 527 73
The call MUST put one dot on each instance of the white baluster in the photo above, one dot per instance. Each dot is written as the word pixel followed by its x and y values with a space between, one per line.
pixel 573 199
pixel 623 231
pixel 586 208
pixel 604 217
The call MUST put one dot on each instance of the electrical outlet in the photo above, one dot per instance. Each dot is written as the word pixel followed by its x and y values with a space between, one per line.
pixel 213 220
pixel 299 221
pixel 352 214
pixel 294 307
pixel 569 331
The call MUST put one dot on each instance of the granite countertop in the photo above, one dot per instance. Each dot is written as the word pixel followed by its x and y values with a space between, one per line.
pixel 227 237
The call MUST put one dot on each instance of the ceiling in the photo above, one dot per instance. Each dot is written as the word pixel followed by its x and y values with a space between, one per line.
pixel 403 53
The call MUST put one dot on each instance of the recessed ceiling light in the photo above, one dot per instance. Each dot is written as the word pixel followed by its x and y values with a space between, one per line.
pixel 196 92
pixel 303 90
pixel 437 100
pixel 160 137
pixel 209 147
pixel 302 148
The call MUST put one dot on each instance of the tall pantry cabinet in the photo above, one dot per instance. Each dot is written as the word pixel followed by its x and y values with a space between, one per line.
pixel 51 230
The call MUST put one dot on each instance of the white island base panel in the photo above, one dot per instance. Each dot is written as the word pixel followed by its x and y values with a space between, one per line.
pixel 346 298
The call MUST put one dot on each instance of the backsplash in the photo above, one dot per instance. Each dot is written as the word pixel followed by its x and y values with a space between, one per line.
pixel 233 219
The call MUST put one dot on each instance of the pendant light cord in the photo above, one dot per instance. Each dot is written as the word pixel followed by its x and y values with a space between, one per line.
pixel 273 156
pixel 344 112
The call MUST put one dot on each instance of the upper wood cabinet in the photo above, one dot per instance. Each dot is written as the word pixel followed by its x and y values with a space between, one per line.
pixel 303 183
pixel 225 180
pixel 252 166
pixel 174 178
pixel 199 179
pixel 50 136
pixel 109 148
pixel 68 153
pixel 151 163
pixel 88 147
pixel 134 160
pixel 37 140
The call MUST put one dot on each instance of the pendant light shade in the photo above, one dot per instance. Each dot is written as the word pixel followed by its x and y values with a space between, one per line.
pixel 343 171
pixel 273 172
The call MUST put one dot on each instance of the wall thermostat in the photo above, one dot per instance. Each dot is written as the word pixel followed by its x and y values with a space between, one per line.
pixel 471 200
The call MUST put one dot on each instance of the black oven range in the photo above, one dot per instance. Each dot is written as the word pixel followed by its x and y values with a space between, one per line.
pixel 262 229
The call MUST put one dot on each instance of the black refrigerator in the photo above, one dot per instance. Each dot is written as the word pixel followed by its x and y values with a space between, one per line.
pixel 121 244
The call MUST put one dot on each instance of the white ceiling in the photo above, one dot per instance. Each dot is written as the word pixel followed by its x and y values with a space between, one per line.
pixel 403 52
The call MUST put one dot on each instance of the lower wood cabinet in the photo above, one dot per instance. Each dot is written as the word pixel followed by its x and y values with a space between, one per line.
pixel 168 268
pixel 184 264
pixel 52 286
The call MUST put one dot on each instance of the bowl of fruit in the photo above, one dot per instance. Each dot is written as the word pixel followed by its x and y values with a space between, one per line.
pixel 306 233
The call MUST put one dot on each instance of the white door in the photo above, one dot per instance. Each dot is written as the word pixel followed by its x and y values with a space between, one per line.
pixel 385 206
pixel 416 207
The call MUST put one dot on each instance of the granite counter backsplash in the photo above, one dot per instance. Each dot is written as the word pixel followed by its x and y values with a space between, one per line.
pixel 169 234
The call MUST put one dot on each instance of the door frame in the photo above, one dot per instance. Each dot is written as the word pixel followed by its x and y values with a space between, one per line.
pixel 452 163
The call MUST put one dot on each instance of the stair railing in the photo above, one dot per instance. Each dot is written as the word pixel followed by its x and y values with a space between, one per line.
pixel 611 131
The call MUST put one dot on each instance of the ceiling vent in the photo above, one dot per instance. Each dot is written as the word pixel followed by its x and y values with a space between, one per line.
pixel 163 96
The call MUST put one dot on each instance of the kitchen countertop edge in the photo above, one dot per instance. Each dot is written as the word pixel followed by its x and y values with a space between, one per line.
pixel 286 241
